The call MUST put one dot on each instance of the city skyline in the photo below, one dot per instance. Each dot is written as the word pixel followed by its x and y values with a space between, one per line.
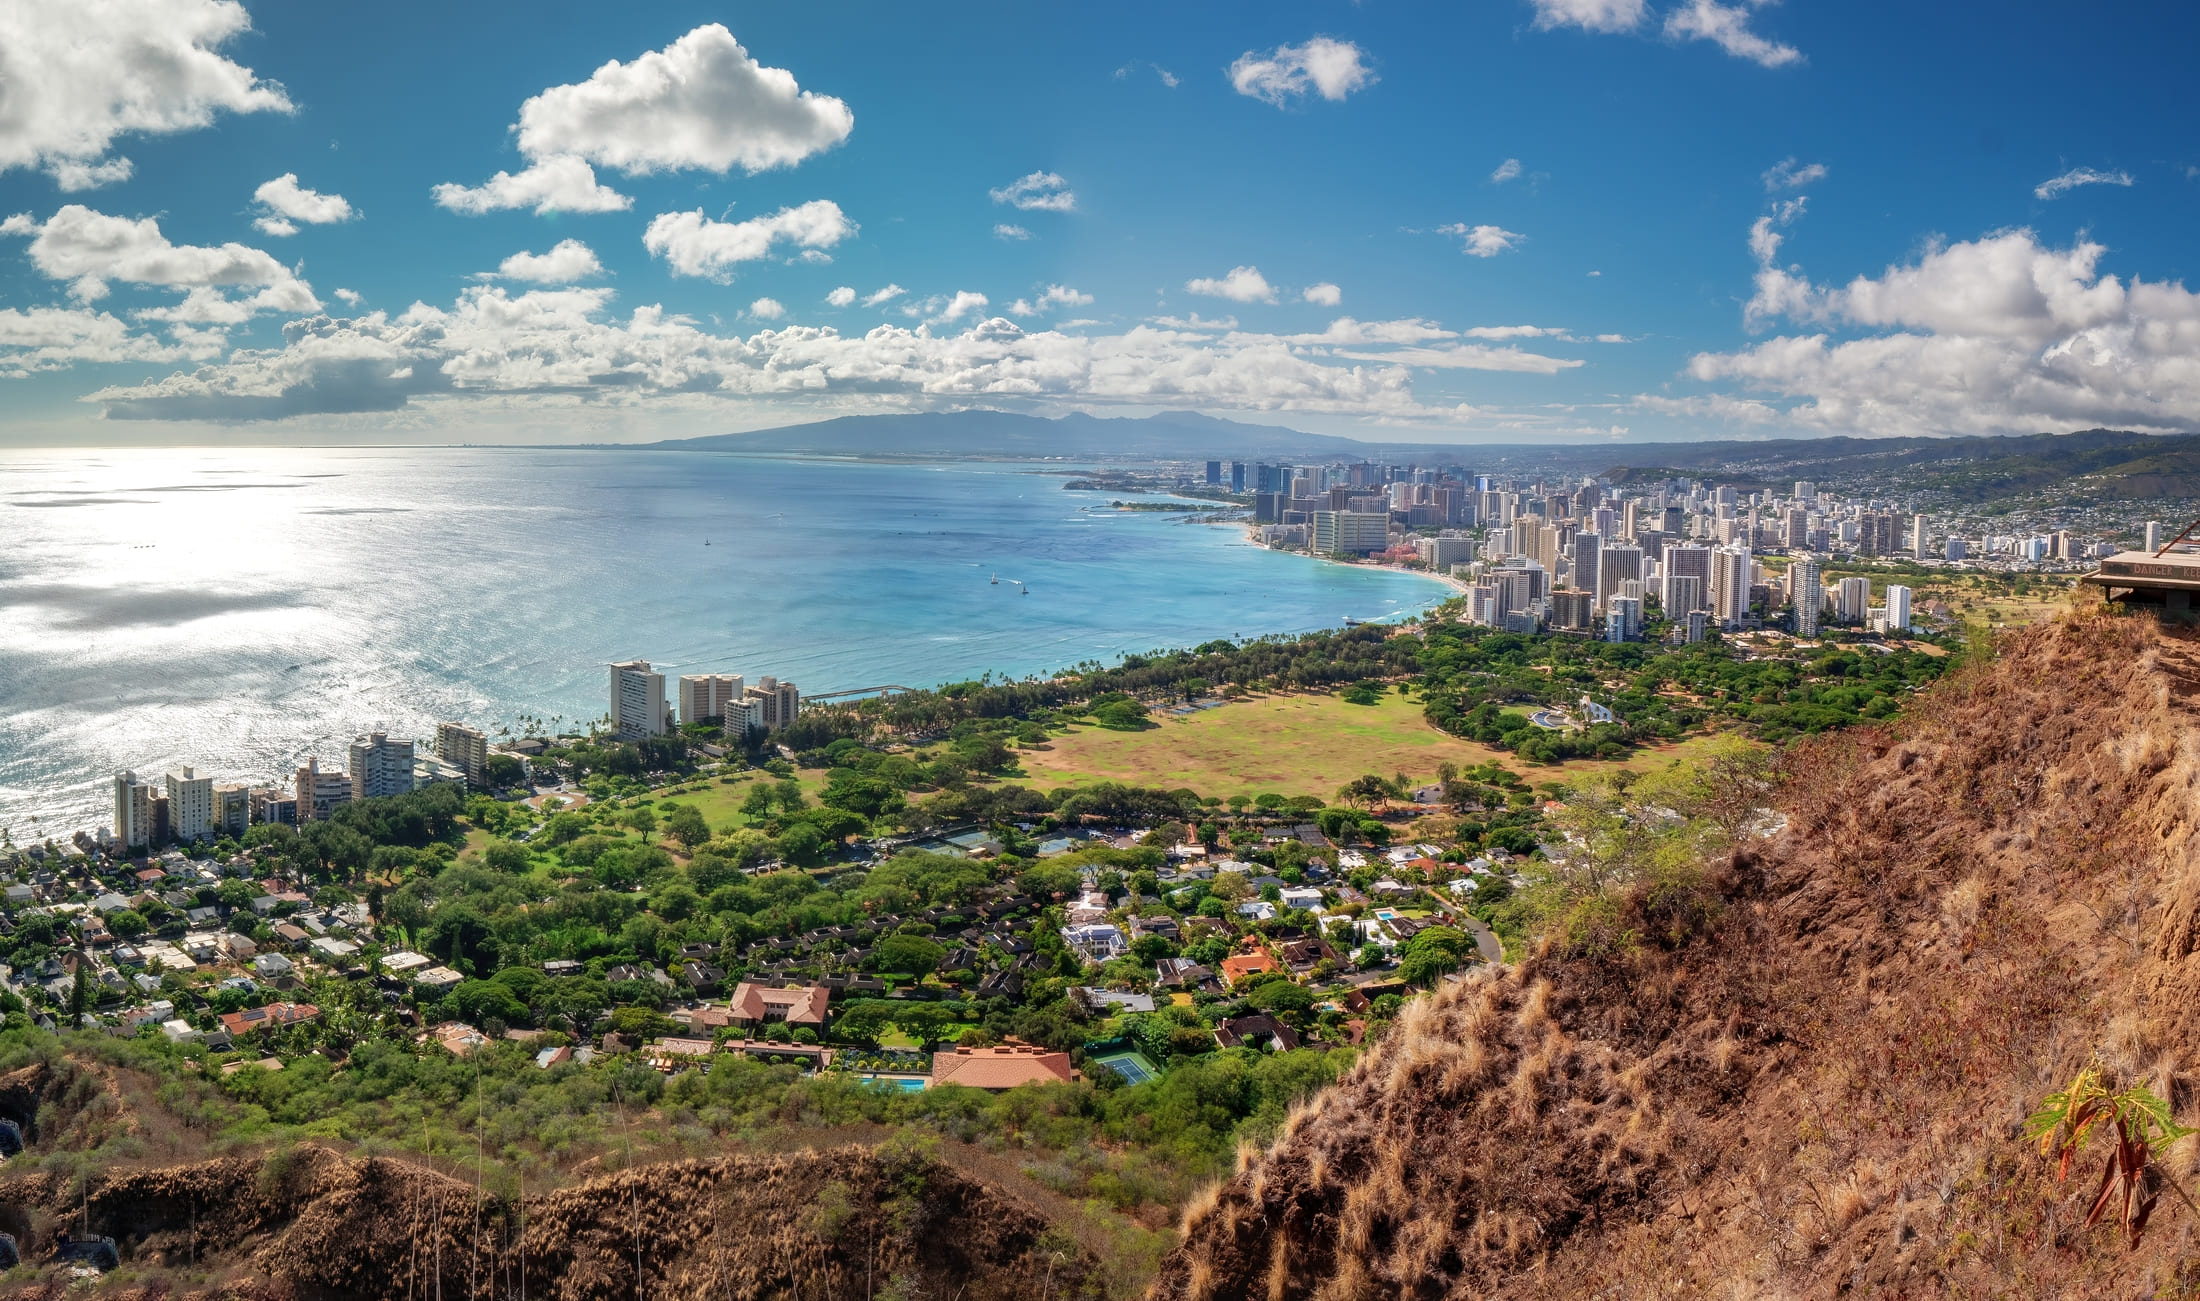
pixel 1521 221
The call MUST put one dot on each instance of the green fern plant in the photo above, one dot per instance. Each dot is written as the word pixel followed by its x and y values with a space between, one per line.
pixel 2131 1180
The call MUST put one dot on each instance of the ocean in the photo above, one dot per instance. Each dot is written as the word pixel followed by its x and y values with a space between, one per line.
pixel 236 610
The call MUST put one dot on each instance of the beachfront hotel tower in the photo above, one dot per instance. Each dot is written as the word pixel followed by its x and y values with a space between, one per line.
pixel 637 701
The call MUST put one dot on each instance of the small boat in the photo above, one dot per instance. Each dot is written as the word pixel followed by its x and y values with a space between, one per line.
pixel 1351 622
pixel 1026 591
pixel 996 580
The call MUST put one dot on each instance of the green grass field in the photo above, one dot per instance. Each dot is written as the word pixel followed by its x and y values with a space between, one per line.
pixel 1288 744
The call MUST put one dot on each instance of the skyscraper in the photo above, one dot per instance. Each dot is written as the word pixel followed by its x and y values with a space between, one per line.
pixel 380 767
pixel 1617 565
pixel 133 811
pixel 1852 600
pixel 1898 608
pixel 320 793
pixel 1214 472
pixel 1806 588
pixel 468 749
pixel 706 695
pixel 637 701
pixel 776 703
pixel 1730 570
pixel 190 805
pixel 2154 535
pixel 1589 564
pixel 1686 562
pixel 1921 542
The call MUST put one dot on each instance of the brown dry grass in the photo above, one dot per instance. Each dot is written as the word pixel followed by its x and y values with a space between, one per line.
pixel 313 1222
pixel 1821 1092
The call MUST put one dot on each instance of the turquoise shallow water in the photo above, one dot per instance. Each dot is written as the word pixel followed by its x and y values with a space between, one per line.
pixel 237 610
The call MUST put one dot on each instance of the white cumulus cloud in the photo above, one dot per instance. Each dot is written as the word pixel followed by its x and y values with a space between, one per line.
pixel 1509 170
pixel 38 339
pixel 886 295
pixel 284 203
pixel 695 245
pixel 1727 26
pixel 77 74
pixel 767 309
pixel 90 249
pixel 1038 192
pixel 1483 241
pixel 962 304
pixel 560 184
pixel 547 344
pixel 702 102
pixel 1788 175
pixel 1009 232
pixel 1591 15
pixel 1322 294
pixel 2056 186
pixel 568 260
pixel 1323 66
pixel 842 296
pixel 1242 285
pixel 1994 335
pixel 1055 296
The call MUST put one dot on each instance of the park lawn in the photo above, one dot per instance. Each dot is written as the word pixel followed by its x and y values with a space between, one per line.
pixel 1288 744
pixel 720 804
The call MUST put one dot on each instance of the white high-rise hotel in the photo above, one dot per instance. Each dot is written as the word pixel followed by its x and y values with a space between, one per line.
pixel 190 806
pixel 637 701
pixel 380 766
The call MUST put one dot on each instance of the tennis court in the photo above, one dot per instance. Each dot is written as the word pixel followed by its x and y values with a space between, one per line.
pixel 1134 1067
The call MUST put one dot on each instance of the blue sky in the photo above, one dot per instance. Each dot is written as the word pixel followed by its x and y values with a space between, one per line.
pixel 1501 220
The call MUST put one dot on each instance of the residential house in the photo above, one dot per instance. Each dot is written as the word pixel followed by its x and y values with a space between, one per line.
pixel 254 1019
pixel 1001 1068
pixel 272 966
pixel 1260 1030
pixel 799 1005
pixel 458 1037
pixel 437 980
pixel 1097 941
pixel 1108 1001
pixel 1181 973
pixel 1238 966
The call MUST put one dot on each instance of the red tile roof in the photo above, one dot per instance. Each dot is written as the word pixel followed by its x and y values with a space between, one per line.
pixel 801 1005
pixel 1239 966
pixel 1004 1067
pixel 260 1018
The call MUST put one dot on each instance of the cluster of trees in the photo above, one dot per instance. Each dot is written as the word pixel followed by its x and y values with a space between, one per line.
pixel 1483 684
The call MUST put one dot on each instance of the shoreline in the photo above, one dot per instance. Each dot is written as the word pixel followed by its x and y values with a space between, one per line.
pixel 1457 585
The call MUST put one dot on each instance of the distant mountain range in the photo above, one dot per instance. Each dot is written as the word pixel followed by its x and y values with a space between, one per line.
pixel 1173 435
pixel 2110 462
pixel 2091 463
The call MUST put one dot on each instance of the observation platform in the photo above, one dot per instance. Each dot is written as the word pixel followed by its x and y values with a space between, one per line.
pixel 2167 580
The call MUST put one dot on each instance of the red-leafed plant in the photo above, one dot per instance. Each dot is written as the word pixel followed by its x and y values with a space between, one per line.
pixel 2131 1180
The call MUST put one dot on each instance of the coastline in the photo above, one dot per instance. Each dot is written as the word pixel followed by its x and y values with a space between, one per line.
pixel 1457 585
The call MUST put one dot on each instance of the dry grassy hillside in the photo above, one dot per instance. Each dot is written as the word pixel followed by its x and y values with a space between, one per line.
pixel 1809 1078
pixel 312 1222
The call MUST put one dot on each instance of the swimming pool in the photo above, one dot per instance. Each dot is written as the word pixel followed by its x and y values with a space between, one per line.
pixel 906 1083
pixel 1385 915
